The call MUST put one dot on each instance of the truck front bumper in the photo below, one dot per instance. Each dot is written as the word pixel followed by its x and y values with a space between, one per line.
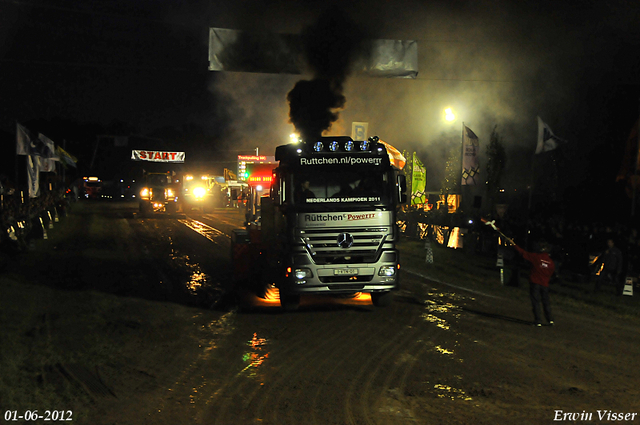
pixel 306 279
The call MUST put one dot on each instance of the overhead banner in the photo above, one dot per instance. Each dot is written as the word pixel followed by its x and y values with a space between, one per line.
pixel 157 156
pixel 265 52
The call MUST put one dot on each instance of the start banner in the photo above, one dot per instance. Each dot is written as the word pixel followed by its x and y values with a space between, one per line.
pixel 157 156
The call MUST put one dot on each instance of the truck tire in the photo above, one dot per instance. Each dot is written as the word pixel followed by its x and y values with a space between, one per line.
pixel 289 302
pixel 381 299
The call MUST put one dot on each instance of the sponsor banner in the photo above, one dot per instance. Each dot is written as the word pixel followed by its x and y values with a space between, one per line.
pixel 345 160
pixel 342 199
pixel 257 158
pixel 157 156
pixel 471 147
pixel 340 219
pixel 418 182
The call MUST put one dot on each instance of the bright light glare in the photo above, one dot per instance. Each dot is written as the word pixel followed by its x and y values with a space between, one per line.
pixel 294 138
pixel 448 115
pixel 199 192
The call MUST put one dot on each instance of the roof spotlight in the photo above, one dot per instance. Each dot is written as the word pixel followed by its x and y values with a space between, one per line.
pixel 349 145
pixel 364 145
pixel 333 146
pixel 318 146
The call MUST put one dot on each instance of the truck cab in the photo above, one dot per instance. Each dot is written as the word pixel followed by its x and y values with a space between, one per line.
pixel 201 191
pixel 160 192
pixel 330 220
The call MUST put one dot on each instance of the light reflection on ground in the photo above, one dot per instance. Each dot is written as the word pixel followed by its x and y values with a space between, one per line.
pixel 271 299
pixel 208 342
pixel 256 357
pixel 445 391
pixel 443 350
pixel 440 306
pixel 211 233
pixel 441 323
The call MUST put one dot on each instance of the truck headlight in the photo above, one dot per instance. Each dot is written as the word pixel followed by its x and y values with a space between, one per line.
pixel 170 193
pixel 199 192
pixel 303 273
pixel 387 271
pixel 145 193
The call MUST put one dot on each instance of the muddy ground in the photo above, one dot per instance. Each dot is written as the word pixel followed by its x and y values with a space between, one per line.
pixel 124 319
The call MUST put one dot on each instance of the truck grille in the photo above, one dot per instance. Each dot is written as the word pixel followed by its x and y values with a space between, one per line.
pixel 322 245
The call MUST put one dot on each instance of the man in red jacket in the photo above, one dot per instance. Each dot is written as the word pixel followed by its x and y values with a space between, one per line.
pixel 542 268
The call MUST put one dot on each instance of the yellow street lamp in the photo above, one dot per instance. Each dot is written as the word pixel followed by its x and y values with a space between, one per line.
pixel 449 115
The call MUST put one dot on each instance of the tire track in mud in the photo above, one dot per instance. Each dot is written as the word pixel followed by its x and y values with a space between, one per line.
pixel 239 384
pixel 316 396
pixel 391 400
pixel 313 356
pixel 194 376
pixel 368 372
pixel 390 356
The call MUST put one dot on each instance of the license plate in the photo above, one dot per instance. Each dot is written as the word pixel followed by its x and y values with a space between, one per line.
pixel 349 272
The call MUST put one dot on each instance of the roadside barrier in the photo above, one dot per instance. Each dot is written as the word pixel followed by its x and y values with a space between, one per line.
pixel 628 286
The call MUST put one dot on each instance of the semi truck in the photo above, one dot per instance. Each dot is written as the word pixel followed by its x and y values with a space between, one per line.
pixel 161 188
pixel 160 193
pixel 202 191
pixel 327 224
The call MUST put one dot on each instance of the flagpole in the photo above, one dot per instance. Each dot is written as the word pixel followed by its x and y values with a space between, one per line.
pixel 635 167
pixel 461 161
pixel 531 184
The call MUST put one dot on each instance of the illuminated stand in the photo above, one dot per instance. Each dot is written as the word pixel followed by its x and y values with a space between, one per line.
pixel 257 172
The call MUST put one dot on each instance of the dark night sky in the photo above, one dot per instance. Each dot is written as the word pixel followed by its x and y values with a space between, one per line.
pixel 574 63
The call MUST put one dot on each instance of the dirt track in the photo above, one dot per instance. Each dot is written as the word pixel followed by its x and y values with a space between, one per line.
pixel 437 355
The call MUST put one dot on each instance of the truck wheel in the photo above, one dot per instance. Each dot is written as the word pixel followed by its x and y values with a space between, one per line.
pixel 381 299
pixel 289 302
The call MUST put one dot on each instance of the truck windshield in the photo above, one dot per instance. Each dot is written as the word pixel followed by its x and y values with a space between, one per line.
pixel 159 179
pixel 330 186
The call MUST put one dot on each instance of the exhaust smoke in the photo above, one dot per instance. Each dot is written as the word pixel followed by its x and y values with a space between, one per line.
pixel 331 47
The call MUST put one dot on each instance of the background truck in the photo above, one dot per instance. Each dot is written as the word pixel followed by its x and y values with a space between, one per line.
pixel 327 225
pixel 202 191
pixel 160 187
pixel 160 192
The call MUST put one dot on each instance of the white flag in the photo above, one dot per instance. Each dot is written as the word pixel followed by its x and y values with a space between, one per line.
pixel 547 141
pixel 48 155
pixel 33 166
pixel 23 140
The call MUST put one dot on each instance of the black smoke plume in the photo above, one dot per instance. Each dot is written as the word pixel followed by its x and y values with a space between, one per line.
pixel 331 47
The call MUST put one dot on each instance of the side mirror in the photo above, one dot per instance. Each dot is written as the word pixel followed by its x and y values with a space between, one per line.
pixel 401 184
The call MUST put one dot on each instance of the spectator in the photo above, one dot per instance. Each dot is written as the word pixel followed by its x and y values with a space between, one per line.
pixel 542 268
pixel 611 272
